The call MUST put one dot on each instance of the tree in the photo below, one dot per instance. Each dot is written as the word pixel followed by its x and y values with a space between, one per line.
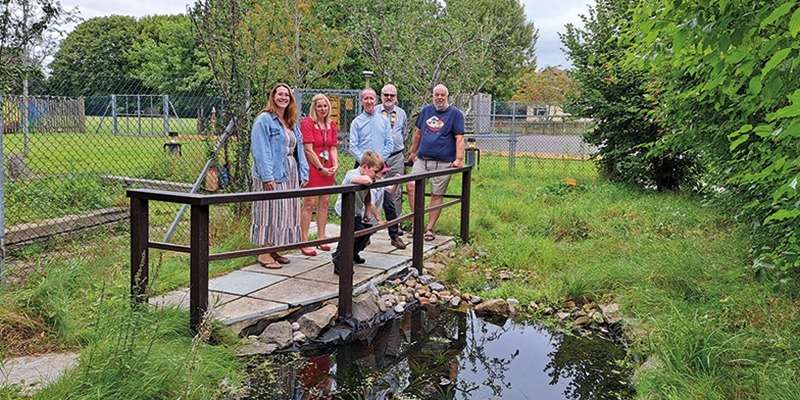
pixel 466 44
pixel 614 94
pixel 166 59
pixel 726 78
pixel 550 86
pixel 295 46
pixel 93 59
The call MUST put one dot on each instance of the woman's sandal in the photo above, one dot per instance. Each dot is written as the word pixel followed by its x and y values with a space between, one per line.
pixel 308 251
pixel 429 235
pixel 324 247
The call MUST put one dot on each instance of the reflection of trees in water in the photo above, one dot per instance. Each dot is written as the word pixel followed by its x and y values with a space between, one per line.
pixel 422 355
pixel 591 367
pixel 476 359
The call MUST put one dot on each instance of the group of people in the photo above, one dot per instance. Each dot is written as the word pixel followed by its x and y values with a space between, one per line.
pixel 288 154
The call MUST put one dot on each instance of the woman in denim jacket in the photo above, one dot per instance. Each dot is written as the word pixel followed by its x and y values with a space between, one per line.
pixel 278 164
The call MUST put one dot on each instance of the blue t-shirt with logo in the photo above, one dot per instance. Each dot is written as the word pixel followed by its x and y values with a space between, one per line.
pixel 439 130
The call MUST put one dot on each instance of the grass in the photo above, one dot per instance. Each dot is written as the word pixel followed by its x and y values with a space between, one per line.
pixel 677 267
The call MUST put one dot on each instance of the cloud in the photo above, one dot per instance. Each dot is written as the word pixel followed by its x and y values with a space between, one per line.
pixel 550 21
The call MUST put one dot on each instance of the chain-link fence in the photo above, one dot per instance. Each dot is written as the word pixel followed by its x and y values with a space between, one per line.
pixel 68 157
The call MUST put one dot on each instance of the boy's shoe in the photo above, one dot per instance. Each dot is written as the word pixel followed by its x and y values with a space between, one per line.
pixel 397 242
pixel 358 260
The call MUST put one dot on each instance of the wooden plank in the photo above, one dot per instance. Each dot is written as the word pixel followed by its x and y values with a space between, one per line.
pixel 32 231
pixel 148 183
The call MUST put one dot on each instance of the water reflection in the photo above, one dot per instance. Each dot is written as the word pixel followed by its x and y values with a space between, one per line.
pixel 434 353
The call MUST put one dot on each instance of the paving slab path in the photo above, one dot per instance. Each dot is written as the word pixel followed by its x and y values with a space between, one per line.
pixel 31 373
pixel 246 296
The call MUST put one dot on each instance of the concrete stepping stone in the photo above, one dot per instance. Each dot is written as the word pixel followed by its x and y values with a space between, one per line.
pixel 298 265
pixel 297 292
pixel 382 261
pixel 325 274
pixel 243 282
pixel 32 373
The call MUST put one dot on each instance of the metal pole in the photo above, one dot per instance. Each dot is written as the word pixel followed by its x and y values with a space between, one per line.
pixel 114 121
pixel 139 113
pixel 199 180
pixel 165 110
pixel 512 141
pixel 2 194
pixel 26 115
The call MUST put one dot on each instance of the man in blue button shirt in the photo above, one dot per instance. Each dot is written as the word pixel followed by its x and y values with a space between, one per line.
pixel 370 130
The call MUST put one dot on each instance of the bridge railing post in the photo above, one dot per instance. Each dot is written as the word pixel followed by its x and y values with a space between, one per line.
pixel 198 273
pixel 466 179
pixel 345 254
pixel 140 236
pixel 419 224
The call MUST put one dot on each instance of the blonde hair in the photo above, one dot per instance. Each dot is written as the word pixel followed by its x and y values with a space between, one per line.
pixel 372 160
pixel 290 114
pixel 312 110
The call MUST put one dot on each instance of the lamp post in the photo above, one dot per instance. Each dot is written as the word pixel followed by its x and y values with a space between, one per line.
pixel 367 74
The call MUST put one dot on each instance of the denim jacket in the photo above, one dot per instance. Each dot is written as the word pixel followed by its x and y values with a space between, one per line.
pixel 268 147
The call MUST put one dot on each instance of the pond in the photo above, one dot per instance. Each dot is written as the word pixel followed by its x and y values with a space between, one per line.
pixel 435 353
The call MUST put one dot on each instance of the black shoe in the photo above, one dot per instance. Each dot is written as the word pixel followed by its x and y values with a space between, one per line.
pixel 398 243
pixel 358 260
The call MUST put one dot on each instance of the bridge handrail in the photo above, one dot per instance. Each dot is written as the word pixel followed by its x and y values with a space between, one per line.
pixel 198 248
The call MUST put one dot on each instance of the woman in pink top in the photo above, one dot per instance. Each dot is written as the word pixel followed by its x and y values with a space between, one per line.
pixel 319 141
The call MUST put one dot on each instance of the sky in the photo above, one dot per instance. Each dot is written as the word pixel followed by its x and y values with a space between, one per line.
pixel 548 17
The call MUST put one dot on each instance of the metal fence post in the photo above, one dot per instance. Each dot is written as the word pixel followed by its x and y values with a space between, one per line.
pixel 466 178
pixel 114 121
pixel 198 273
pixel 2 193
pixel 140 236
pixel 345 254
pixel 512 142
pixel 165 110
pixel 419 222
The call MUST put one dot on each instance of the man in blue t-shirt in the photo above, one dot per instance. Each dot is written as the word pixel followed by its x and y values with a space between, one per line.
pixel 438 143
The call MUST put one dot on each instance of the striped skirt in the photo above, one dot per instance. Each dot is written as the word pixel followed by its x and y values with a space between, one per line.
pixel 277 222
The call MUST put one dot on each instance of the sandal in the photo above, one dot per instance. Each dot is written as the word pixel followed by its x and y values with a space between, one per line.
pixel 324 247
pixel 280 259
pixel 308 251
pixel 429 235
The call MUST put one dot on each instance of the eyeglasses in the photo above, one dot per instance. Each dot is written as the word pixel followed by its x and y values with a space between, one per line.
pixel 388 94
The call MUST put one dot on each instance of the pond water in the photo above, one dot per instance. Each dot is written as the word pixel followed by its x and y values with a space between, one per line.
pixel 433 353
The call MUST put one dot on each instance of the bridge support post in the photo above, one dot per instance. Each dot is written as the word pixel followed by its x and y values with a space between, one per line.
pixel 140 236
pixel 198 273
pixel 347 235
pixel 419 224
pixel 466 180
